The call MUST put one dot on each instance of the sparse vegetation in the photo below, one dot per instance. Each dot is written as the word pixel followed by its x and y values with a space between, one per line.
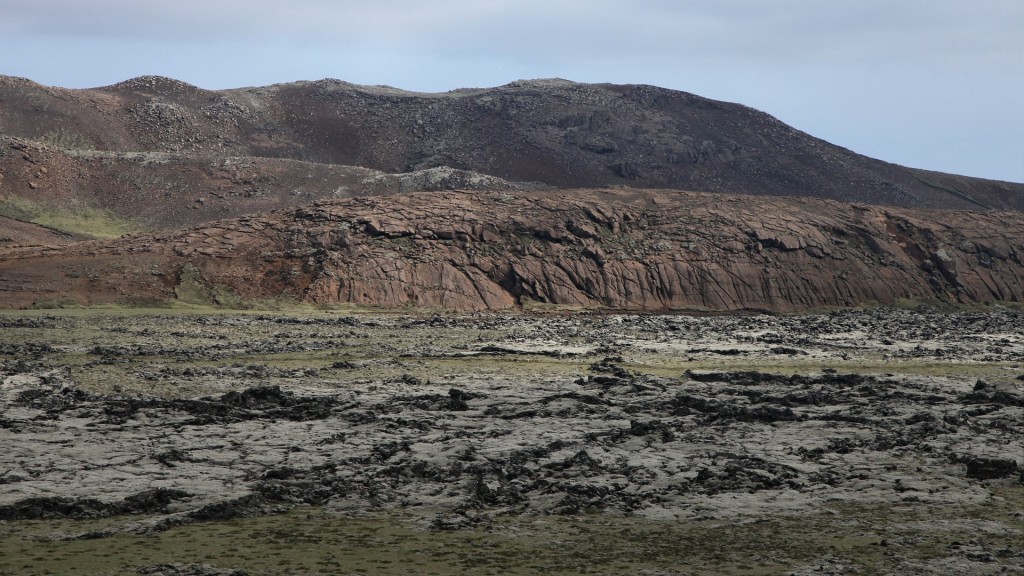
pixel 859 539
pixel 74 218
pixel 65 139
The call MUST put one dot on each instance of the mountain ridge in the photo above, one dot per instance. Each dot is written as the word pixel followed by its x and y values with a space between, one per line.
pixel 553 132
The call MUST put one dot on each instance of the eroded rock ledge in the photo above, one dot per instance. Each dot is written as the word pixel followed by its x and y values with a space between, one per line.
pixel 617 249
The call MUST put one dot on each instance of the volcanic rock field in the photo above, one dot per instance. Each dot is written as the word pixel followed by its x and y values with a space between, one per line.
pixel 905 427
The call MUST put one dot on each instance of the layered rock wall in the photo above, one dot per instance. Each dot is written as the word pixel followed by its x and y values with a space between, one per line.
pixel 630 250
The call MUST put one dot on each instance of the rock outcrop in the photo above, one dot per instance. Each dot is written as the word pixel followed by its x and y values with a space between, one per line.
pixel 614 249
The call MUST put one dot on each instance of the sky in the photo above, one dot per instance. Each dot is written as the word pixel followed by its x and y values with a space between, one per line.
pixel 935 84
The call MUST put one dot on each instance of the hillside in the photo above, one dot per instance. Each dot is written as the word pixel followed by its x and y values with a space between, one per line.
pixel 611 249
pixel 542 192
pixel 122 144
pixel 107 194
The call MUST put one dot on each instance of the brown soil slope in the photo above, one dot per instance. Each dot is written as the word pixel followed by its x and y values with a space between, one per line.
pixel 618 249
pixel 553 132
pixel 17 234
pixel 162 190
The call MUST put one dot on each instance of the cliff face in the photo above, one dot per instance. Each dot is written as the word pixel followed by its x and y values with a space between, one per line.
pixel 553 132
pixel 617 249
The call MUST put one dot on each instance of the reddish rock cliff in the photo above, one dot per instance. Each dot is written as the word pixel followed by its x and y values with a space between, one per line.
pixel 618 249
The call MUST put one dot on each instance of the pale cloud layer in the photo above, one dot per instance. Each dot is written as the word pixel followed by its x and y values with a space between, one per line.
pixel 929 83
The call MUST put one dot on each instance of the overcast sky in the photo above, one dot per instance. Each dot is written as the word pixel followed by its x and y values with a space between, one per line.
pixel 935 84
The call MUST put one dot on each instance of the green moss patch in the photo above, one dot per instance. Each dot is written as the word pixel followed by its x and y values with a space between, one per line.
pixel 76 218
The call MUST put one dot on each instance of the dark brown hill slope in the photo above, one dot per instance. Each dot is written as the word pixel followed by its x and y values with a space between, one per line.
pixel 109 193
pixel 617 249
pixel 550 131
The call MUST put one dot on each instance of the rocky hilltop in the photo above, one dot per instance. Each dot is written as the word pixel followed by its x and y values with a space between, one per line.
pixel 549 132
pixel 613 249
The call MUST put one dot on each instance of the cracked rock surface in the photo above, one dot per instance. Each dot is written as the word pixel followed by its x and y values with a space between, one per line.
pixel 633 415
pixel 158 422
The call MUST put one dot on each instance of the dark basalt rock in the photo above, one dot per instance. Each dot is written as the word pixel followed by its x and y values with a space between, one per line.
pixel 243 507
pixel 148 502
pixel 457 400
pixel 1005 393
pixel 177 569
pixel 746 474
pixel 981 468
pixel 248 404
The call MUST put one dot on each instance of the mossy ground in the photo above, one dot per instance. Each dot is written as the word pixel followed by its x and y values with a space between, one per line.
pixel 75 333
pixel 74 218
pixel 862 539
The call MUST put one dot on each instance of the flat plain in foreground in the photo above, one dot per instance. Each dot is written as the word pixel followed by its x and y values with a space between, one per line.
pixel 182 442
